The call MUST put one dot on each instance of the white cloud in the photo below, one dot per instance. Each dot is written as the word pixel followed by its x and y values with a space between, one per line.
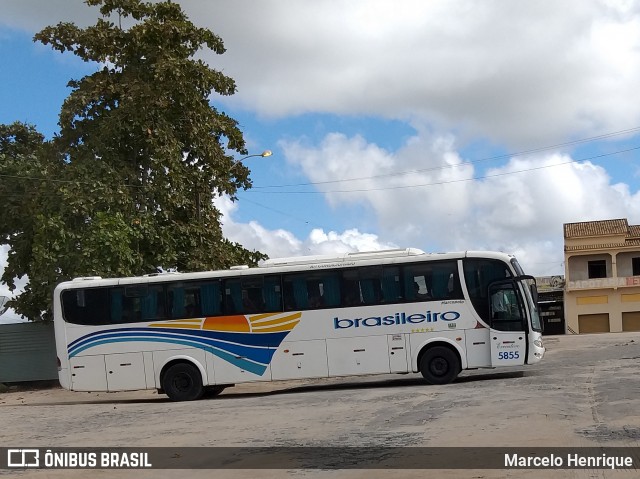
pixel 34 15
pixel 517 207
pixel 348 241
pixel 516 72
pixel 525 73
pixel 281 243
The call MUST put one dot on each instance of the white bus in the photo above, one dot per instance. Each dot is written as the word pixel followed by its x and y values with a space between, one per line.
pixel 393 311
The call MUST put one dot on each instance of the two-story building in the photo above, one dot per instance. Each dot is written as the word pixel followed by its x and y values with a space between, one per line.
pixel 602 272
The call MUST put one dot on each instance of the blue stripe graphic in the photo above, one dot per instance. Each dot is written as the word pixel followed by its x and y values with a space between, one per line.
pixel 247 339
pixel 250 351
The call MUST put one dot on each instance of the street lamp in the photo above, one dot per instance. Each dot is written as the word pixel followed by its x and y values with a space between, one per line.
pixel 264 154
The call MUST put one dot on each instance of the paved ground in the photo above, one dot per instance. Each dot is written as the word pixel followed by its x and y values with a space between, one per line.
pixel 585 393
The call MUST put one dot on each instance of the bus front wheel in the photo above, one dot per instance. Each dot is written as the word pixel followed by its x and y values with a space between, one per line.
pixel 439 365
pixel 182 382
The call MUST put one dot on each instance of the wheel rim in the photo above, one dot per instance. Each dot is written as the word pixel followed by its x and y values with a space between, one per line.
pixel 182 382
pixel 439 366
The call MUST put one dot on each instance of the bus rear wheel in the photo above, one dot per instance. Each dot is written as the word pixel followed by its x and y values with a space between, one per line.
pixel 182 382
pixel 439 365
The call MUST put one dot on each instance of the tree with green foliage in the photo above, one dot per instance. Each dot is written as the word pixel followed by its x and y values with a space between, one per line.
pixel 128 183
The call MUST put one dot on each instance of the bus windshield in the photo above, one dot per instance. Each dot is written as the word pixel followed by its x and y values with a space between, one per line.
pixel 530 292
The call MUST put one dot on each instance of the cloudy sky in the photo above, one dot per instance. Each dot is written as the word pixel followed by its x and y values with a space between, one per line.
pixel 442 125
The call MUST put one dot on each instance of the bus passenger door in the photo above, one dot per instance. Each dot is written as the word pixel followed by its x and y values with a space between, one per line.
pixel 508 333
pixel 507 348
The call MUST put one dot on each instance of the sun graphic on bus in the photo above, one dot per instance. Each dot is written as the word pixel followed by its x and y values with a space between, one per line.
pixel 270 322
pixel 257 323
pixel 247 342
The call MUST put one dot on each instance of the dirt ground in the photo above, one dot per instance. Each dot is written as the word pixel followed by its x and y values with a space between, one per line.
pixel 585 393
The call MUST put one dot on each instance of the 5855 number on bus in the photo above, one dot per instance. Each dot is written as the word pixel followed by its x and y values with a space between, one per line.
pixel 509 355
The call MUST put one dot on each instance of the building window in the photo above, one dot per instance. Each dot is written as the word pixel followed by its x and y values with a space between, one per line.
pixel 635 266
pixel 598 269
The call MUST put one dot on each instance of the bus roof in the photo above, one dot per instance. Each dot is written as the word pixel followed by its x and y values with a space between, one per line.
pixel 293 264
pixel 364 255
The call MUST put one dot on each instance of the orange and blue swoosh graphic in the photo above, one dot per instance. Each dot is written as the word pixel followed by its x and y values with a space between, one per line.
pixel 247 342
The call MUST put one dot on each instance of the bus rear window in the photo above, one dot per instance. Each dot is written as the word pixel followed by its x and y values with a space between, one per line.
pixel 89 306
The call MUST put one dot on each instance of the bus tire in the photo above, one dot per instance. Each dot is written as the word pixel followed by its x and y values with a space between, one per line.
pixel 182 382
pixel 439 365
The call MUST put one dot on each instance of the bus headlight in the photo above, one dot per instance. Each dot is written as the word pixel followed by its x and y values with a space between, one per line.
pixel 538 342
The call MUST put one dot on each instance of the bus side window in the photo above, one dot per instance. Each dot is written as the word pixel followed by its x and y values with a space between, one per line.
pixel 330 289
pixel 116 305
pixel 391 284
pixel 370 278
pixel 351 288
pixel 432 281
pixel 132 303
pixel 152 304
pixel 253 294
pixel 244 295
pixel 194 299
pixel 287 296
pixel 296 294
pixel 176 300
pixel 232 297
pixel 272 294
pixel 315 294
pixel 252 300
pixel 314 290
pixel 210 296
pixel 143 302
pixel 445 281
pixel 417 283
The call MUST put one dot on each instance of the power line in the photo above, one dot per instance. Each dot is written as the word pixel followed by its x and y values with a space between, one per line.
pixel 273 209
pixel 449 181
pixel 441 167
pixel 435 168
